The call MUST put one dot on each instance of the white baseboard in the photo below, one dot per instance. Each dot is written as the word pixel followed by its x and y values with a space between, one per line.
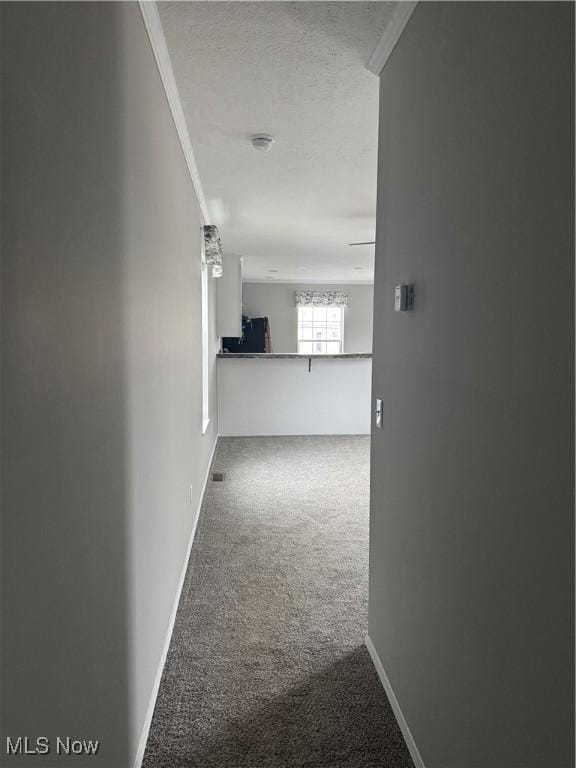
pixel 150 711
pixel 408 738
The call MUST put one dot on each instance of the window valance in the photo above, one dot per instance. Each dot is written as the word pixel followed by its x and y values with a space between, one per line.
pixel 213 249
pixel 321 299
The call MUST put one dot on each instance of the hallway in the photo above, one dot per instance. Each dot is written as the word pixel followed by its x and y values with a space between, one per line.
pixel 246 236
pixel 267 667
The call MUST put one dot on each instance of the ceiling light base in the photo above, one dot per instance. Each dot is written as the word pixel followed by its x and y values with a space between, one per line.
pixel 262 142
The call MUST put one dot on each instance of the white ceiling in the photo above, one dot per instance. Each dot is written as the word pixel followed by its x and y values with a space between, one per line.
pixel 295 70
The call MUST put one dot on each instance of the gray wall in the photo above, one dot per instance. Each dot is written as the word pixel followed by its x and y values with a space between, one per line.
pixel 276 301
pixel 472 528
pixel 101 373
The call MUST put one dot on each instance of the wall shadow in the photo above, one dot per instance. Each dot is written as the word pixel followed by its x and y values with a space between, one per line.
pixel 64 604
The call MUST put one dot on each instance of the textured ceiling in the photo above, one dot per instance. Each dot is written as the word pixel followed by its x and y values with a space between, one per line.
pixel 295 70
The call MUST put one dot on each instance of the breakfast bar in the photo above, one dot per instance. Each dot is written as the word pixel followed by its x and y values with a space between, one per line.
pixel 294 394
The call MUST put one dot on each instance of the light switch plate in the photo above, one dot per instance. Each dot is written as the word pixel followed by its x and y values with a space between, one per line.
pixel 378 413
pixel 403 297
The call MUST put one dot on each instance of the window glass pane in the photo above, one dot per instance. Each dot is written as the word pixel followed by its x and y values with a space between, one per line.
pixel 320 330
pixel 334 332
pixel 205 351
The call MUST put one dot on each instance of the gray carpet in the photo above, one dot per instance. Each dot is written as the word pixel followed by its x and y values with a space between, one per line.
pixel 267 667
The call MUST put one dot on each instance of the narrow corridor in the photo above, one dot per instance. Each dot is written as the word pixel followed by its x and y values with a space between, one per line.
pixel 267 666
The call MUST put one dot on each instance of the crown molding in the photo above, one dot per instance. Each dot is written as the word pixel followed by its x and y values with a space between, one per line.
pixel 400 17
pixel 155 32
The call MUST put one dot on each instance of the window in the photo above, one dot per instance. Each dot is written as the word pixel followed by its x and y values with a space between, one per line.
pixel 320 330
pixel 205 350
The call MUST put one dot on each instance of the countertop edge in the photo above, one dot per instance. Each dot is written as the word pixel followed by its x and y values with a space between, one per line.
pixel 292 356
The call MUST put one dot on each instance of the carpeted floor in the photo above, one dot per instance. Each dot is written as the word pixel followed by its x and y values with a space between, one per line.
pixel 267 666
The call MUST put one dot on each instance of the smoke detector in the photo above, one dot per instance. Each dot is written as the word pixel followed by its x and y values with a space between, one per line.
pixel 262 142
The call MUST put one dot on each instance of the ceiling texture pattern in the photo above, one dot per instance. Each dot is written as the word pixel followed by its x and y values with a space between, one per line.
pixel 295 70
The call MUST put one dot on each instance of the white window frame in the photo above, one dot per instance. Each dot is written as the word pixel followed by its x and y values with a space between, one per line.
pixel 324 341
pixel 205 342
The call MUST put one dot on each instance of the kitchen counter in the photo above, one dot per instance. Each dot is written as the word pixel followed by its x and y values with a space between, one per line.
pixel 288 393
pixel 295 355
